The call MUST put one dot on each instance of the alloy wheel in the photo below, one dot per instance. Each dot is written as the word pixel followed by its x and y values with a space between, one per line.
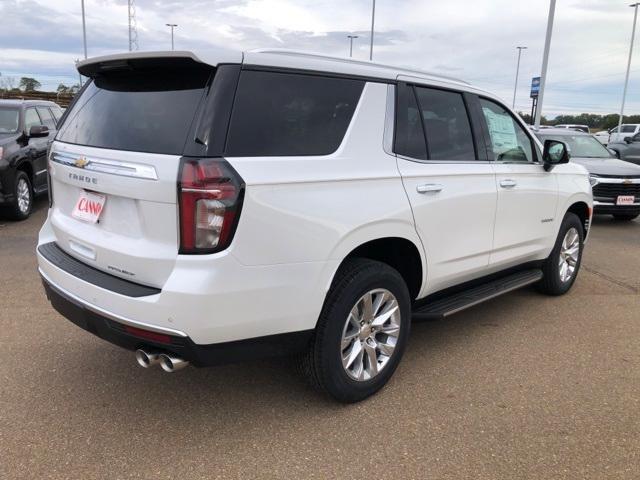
pixel 370 334
pixel 23 195
pixel 569 254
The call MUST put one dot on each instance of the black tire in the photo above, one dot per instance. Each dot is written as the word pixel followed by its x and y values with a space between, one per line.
pixel 16 210
pixel 625 218
pixel 551 283
pixel 322 363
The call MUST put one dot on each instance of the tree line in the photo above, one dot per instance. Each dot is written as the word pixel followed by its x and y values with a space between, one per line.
pixel 29 85
pixel 592 120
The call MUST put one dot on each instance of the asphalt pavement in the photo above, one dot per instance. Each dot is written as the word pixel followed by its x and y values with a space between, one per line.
pixel 522 387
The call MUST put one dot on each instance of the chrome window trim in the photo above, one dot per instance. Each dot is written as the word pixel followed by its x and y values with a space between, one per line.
pixel 102 165
pixel 446 162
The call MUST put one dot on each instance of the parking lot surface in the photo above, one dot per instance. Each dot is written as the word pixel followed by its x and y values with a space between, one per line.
pixel 524 386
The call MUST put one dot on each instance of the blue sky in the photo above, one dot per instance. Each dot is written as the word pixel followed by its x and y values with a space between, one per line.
pixel 471 39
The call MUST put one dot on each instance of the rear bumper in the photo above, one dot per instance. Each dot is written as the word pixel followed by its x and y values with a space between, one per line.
pixel 105 326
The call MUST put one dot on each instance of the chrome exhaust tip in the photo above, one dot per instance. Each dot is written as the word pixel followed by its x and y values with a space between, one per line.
pixel 147 359
pixel 170 363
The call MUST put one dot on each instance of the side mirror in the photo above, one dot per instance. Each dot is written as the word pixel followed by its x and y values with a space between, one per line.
pixel 613 153
pixel 555 153
pixel 628 139
pixel 38 131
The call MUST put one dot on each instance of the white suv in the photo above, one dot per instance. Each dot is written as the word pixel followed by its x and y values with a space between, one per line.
pixel 206 210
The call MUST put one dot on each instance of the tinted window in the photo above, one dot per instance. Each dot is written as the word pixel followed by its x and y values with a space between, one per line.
pixel 31 118
pixel 290 114
pixel 47 118
pixel 140 110
pixel 509 140
pixel 446 124
pixel 628 128
pixel 409 139
pixel 9 120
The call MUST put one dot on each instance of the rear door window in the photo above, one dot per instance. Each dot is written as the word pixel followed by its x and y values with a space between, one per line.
pixel 628 128
pixel 282 114
pixel 47 118
pixel 409 136
pixel 446 125
pixel 145 110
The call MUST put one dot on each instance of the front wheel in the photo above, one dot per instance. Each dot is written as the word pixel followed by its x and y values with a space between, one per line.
pixel 625 218
pixel 361 333
pixel 561 268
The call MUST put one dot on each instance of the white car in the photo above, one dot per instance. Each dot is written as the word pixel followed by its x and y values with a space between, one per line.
pixel 209 209
pixel 602 137
pixel 580 128
pixel 627 130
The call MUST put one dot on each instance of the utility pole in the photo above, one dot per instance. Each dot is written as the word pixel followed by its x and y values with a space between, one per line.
pixel 545 63
pixel 515 87
pixel 84 30
pixel 133 30
pixel 351 37
pixel 172 26
pixel 626 80
pixel 373 21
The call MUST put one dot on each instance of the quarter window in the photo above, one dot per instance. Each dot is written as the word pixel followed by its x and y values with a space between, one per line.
pixel 278 114
pixel 446 124
pixel 509 140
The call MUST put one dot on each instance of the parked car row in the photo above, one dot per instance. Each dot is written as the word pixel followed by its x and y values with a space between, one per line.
pixel 615 183
pixel 27 128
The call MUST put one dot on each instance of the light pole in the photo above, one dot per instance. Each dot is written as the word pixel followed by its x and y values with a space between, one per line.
pixel 545 62
pixel 515 87
pixel 373 21
pixel 626 80
pixel 172 26
pixel 351 37
pixel 84 30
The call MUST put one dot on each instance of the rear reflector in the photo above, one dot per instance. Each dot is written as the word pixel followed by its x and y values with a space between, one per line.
pixel 210 196
pixel 147 335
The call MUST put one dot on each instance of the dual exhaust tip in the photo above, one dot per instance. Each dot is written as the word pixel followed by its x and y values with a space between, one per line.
pixel 169 363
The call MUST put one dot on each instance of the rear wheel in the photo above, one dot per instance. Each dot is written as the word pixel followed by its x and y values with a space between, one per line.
pixel 20 209
pixel 361 333
pixel 626 218
pixel 561 267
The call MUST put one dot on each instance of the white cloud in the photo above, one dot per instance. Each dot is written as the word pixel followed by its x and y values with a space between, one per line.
pixel 474 40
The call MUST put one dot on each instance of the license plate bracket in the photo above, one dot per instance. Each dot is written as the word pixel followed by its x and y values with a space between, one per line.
pixel 89 206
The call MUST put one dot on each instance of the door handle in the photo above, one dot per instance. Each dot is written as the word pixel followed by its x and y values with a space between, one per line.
pixel 429 187
pixel 508 183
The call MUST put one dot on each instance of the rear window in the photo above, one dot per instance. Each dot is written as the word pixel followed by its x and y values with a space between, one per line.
pixel 144 110
pixel 281 114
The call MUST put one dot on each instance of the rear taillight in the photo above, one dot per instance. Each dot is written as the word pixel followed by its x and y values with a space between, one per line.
pixel 210 195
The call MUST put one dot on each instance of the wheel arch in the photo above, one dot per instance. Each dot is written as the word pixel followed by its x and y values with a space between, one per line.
pixel 399 252
pixel 583 211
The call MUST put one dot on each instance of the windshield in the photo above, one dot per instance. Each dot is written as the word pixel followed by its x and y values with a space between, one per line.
pixel 584 146
pixel 9 120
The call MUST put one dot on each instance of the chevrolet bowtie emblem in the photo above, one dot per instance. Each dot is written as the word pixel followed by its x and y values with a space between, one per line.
pixel 627 182
pixel 81 162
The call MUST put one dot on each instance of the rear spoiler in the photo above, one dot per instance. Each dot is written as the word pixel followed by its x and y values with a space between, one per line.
pixel 92 67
